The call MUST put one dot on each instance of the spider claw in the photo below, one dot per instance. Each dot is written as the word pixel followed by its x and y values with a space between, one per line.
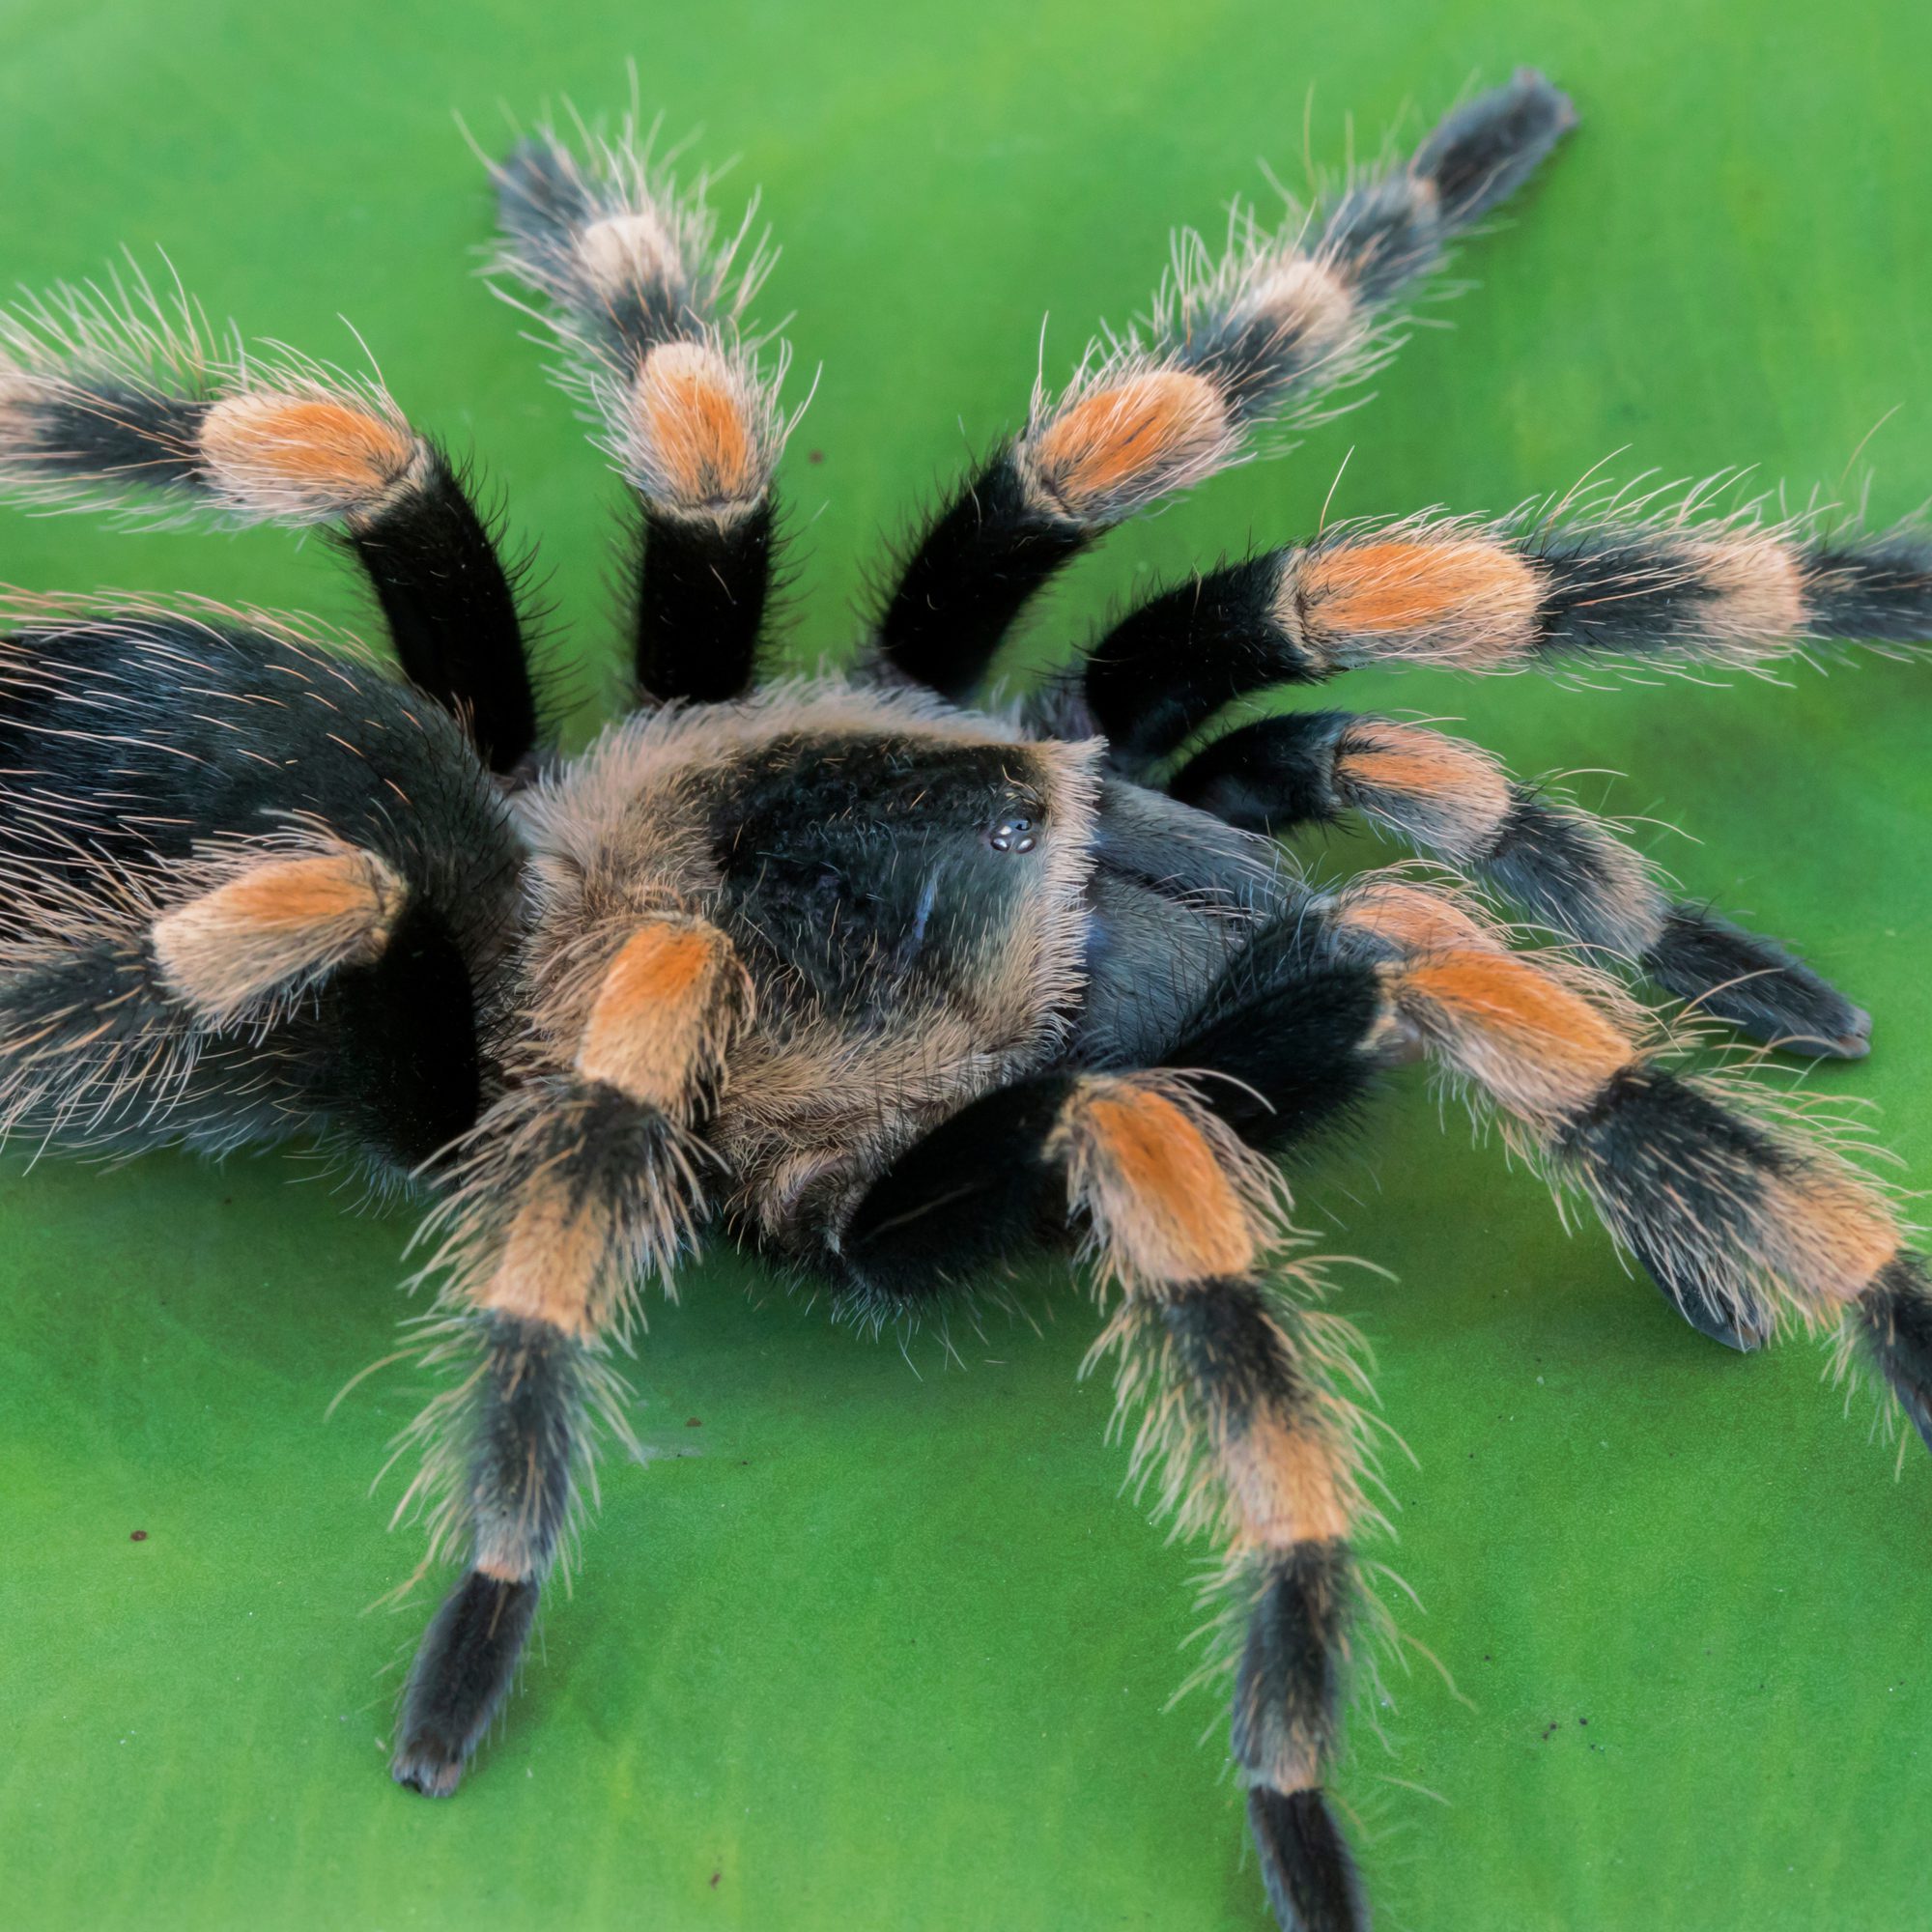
pixel 1855 1043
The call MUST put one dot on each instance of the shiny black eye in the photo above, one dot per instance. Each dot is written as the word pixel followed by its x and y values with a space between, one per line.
pixel 1013 835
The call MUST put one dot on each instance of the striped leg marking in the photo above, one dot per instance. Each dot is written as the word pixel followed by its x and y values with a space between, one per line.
pixel 577 1185
pixel 1567 870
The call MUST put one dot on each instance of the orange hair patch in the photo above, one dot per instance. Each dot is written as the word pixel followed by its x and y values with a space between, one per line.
pixel 1460 601
pixel 1158 1189
pixel 663 1014
pixel 305 457
pixel 1540 1049
pixel 1284 1483
pixel 284 921
pixel 555 1259
pixel 693 437
pixel 1117 448
pixel 1411 919
pixel 1826 1232
pixel 1448 793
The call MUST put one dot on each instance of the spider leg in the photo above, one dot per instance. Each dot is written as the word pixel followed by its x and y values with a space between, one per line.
pixel 579 1181
pixel 1453 801
pixel 1245 1428
pixel 123 401
pixel 647 306
pixel 1746 1219
pixel 1283 318
pixel 1530 593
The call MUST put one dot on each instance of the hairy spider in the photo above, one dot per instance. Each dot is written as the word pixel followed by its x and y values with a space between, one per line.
pixel 893 989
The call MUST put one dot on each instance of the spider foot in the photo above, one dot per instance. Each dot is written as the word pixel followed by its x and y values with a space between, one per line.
pixel 462 1675
pixel 1311 1878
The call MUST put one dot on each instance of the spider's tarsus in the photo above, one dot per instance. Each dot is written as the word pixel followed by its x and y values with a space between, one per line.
pixel 1311 1878
pixel 1483 153
pixel 1896 1315
pixel 1744 1332
pixel 462 1675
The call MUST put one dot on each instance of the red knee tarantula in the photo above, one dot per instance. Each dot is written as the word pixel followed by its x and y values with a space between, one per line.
pixel 891 989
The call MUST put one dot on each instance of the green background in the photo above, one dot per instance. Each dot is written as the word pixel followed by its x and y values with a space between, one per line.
pixel 878 1644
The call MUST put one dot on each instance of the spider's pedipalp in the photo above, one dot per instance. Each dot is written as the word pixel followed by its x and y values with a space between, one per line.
pixel 123 401
pixel 647 304
pixel 1284 317
pixel 1561 865
pixel 580 1182
pixel 1532 592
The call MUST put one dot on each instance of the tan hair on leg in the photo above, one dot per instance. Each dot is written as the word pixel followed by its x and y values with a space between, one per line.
pixel 1447 795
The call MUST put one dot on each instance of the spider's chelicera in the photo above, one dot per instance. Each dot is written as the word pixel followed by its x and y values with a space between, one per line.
pixel 891 989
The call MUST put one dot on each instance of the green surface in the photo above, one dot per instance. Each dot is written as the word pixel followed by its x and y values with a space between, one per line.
pixel 887 1651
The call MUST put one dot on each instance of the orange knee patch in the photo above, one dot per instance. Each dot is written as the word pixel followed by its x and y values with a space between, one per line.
pixel 664 1015
pixel 1543 1052
pixel 1118 447
pixel 693 436
pixel 278 925
pixel 1461 601
pixel 1158 1190
pixel 1446 794
pixel 303 457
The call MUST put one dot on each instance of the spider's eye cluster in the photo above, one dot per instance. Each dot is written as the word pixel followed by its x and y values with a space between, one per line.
pixel 1014 832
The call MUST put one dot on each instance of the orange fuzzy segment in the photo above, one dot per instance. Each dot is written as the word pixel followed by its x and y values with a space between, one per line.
pixel 1462 602
pixel 277 924
pixel 1131 440
pixel 1283 1485
pixel 657 1026
pixel 1168 1207
pixel 1539 1049
pixel 555 1258
pixel 697 444
pixel 1446 793
pixel 1826 1232
pixel 306 456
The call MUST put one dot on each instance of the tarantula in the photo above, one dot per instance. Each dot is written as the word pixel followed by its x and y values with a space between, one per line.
pixel 893 989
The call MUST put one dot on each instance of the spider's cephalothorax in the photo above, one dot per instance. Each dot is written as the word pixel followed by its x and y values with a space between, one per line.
pixel 888 987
